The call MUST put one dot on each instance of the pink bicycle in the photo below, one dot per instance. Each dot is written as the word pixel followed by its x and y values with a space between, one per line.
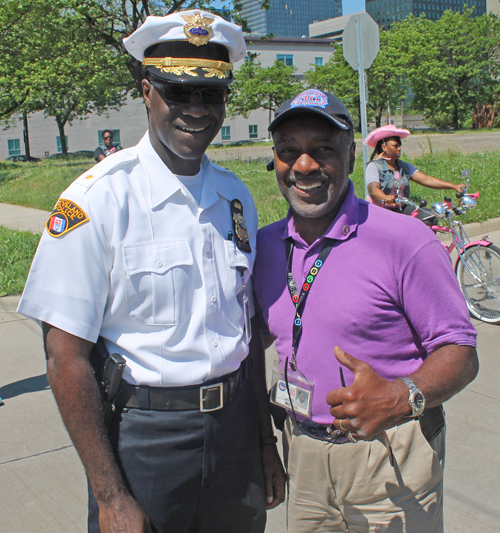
pixel 477 266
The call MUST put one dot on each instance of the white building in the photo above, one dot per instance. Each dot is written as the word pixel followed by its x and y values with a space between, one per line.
pixel 493 6
pixel 130 122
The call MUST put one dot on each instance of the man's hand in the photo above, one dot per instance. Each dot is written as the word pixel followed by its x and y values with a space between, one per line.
pixel 371 404
pixel 274 476
pixel 123 516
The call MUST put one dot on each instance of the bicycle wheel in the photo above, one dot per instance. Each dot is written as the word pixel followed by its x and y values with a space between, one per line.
pixel 478 273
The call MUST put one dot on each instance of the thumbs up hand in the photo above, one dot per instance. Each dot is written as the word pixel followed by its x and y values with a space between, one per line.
pixel 370 404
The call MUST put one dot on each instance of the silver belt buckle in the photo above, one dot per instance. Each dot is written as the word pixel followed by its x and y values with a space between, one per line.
pixel 219 386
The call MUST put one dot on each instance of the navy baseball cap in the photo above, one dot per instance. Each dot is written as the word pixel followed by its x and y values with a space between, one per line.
pixel 314 101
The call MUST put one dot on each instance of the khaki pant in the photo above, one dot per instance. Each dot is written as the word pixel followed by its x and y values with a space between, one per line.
pixel 353 488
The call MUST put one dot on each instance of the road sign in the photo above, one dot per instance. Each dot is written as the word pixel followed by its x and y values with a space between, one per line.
pixel 360 45
pixel 369 43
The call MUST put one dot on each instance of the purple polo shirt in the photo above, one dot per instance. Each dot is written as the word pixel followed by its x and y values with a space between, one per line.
pixel 386 294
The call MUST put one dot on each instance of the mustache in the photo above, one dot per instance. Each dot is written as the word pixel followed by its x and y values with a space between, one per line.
pixel 295 176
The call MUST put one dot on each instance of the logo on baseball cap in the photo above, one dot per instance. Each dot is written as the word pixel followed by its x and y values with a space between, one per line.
pixel 314 101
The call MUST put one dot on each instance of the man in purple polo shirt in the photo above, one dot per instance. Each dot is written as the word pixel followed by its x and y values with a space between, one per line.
pixel 369 321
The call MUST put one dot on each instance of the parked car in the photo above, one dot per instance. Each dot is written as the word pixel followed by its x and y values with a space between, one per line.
pixel 240 143
pixel 89 154
pixel 23 158
pixel 59 154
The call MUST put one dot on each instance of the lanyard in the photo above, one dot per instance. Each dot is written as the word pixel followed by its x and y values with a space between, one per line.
pixel 299 299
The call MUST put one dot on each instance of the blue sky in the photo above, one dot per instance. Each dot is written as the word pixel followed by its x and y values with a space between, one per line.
pixel 348 6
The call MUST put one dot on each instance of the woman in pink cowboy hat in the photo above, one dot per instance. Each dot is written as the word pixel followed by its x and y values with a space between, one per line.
pixel 386 167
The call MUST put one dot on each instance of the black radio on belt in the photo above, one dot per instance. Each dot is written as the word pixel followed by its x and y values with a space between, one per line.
pixel 108 370
pixel 112 375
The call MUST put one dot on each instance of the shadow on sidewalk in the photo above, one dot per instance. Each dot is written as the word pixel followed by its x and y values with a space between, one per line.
pixel 33 384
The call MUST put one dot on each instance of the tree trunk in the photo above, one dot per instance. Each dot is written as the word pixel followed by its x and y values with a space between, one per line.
pixel 26 136
pixel 456 125
pixel 483 116
pixel 60 125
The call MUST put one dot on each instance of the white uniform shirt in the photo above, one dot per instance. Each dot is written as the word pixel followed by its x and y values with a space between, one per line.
pixel 151 271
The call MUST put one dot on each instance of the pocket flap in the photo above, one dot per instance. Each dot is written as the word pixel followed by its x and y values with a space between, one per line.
pixel 236 258
pixel 157 257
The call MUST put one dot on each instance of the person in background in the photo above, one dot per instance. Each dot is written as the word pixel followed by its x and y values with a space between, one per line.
pixel 386 170
pixel 109 146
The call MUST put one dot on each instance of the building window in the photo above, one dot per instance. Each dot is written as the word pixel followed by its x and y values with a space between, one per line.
pixel 116 136
pixel 59 143
pixel 14 146
pixel 285 58
pixel 226 133
pixel 252 131
pixel 318 61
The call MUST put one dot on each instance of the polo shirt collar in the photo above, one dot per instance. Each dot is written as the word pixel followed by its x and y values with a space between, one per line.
pixel 342 227
pixel 164 184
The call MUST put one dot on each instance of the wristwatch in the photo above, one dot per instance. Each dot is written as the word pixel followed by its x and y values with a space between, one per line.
pixel 416 398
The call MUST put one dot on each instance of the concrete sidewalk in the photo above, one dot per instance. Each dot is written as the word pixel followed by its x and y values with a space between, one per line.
pixel 23 218
pixel 42 482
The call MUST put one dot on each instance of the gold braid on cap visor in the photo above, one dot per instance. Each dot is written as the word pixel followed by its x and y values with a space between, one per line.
pixel 185 65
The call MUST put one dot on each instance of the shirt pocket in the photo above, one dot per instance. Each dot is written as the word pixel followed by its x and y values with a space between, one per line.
pixel 158 279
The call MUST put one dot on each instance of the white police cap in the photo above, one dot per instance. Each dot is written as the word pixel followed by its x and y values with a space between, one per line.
pixel 189 46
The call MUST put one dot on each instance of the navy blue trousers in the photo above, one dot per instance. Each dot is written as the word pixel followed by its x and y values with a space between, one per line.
pixel 193 472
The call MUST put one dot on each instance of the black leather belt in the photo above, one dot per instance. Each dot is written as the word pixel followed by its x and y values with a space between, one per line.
pixel 205 398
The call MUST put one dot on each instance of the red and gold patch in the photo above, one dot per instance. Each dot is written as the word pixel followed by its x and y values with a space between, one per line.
pixel 65 217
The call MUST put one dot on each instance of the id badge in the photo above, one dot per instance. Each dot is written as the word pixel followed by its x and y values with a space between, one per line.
pixel 294 393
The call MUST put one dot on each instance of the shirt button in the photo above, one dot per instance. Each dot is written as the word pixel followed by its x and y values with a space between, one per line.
pixel 346 230
pixel 215 344
pixel 214 299
pixel 159 263
pixel 208 255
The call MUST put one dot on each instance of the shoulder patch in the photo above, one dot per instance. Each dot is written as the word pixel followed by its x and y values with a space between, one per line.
pixel 65 217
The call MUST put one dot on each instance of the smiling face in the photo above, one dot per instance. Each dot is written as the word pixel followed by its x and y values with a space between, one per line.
pixel 313 160
pixel 180 133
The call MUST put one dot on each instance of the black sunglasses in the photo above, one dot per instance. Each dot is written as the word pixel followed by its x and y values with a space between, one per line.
pixel 176 93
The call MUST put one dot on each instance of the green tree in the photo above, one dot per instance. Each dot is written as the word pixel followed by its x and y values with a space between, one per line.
pixel 452 64
pixel 256 87
pixel 66 57
pixel 54 65
pixel 109 21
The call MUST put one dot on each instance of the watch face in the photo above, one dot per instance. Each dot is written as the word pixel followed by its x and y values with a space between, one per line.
pixel 419 400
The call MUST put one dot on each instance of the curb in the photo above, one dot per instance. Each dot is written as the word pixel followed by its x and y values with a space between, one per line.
pixel 482 228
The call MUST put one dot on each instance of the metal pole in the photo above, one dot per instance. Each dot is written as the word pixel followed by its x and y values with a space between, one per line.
pixel 362 95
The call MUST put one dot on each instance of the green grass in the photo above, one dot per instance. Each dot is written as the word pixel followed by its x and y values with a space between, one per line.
pixel 39 186
pixel 484 169
pixel 17 249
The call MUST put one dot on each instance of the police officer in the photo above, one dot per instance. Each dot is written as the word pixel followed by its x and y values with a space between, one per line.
pixel 152 251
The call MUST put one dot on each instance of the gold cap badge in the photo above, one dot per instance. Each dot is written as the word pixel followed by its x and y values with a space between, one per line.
pixel 197 29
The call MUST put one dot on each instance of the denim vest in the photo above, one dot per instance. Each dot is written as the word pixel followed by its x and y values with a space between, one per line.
pixel 388 181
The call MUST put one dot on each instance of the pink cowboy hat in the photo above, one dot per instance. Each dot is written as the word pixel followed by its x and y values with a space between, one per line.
pixel 390 130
